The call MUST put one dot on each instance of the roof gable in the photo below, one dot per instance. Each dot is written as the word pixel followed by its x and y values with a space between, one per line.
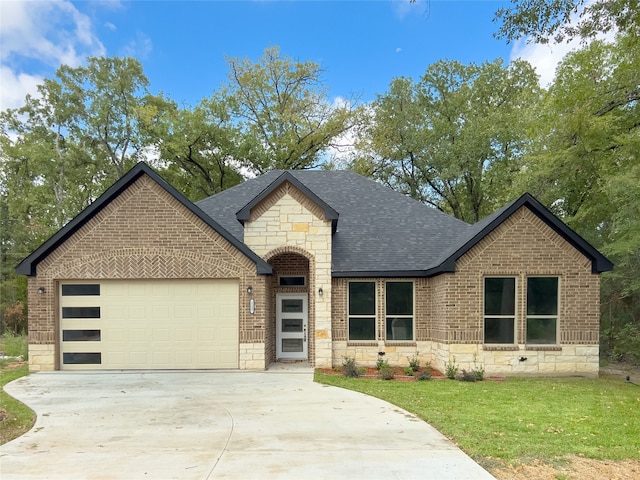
pixel 478 231
pixel 28 266
pixel 329 213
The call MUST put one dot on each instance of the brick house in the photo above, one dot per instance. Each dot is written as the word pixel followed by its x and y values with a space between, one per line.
pixel 309 266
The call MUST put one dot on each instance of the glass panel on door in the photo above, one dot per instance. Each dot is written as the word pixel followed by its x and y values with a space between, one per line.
pixel 290 345
pixel 291 305
pixel 292 325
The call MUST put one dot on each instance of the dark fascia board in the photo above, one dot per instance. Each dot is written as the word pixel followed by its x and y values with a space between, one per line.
pixel 28 266
pixel 385 274
pixel 329 213
pixel 599 263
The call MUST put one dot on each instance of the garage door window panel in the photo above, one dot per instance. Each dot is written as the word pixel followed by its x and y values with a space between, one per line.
pixel 80 290
pixel 81 358
pixel 81 335
pixel 80 312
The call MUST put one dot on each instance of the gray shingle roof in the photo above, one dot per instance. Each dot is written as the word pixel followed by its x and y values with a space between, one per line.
pixel 379 231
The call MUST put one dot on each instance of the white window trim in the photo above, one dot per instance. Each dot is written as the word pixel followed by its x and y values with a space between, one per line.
pixel 412 316
pixel 515 311
pixel 375 310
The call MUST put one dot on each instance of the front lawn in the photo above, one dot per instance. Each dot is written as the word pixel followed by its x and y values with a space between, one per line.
pixel 520 419
pixel 15 417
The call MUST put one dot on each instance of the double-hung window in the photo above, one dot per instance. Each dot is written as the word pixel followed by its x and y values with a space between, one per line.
pixel 499 309
pixel 542 310
pixel 399 310
pixel 362 311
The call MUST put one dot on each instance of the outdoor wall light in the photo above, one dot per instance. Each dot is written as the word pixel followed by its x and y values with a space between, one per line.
pixel 320 291
pixel 252 306
pixel 249 289
pixel 522 359
pixel 41 290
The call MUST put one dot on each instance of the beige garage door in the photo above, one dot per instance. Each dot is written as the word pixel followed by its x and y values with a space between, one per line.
pixel 160 324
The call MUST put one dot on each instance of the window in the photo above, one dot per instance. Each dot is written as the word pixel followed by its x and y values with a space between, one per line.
pixel 362 311
pixel 81 335
pixel 80 312
pixel 82 358
pixel 399 310
pixel 542 310
pixel 499 309
pixel 77 289
pixel 290 281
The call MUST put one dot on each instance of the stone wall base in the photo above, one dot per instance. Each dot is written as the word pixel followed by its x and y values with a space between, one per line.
pixel 42 357
pixel 581 360
pixel 252 356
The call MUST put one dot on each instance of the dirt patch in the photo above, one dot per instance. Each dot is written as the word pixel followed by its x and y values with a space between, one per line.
pixel 575 468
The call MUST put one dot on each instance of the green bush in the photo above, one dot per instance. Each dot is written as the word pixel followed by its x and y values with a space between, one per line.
pixel 386 373
pixel 627 343
pixel 382 363
pixel 349 367
pixel 451 369
pixel 408 371
pixel 414 362
pixel 424 375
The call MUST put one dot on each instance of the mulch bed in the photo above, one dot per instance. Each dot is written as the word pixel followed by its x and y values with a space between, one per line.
pixel 398 373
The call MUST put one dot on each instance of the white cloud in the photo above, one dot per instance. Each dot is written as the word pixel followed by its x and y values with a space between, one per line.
pixel 139 48
pixel 15 86
pixel 545 58
pixel 403 8
pixel 37 37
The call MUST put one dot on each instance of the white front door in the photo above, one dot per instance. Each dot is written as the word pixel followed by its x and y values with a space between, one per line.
pixel 291 322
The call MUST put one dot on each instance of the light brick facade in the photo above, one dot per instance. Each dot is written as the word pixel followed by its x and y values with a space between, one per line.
pixel 145 232
pixel 449 307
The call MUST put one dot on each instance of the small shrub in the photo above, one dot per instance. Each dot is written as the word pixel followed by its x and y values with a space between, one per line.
pixel 424 375
pixel 349 367
pixel 477 370
pixel 414 362
pixel 451 369
pixel 381 363
pixel 465 376
pixel 385 373
pixel 408 371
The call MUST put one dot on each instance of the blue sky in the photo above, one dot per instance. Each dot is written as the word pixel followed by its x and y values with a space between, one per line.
pixel 361 45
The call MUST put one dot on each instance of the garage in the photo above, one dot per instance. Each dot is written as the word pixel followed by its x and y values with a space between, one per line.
pixel 148 324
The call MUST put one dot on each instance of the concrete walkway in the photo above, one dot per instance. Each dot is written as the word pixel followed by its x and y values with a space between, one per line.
pixel 216 425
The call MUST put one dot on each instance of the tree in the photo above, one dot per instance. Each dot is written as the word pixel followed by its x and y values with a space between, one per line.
pixel 454 139
pixel 201 147
pixel 62 149
pixel 584 163
pixel 544 20
pixel 286 118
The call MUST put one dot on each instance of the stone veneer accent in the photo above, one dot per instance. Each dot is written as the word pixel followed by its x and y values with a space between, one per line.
pixel 449 315
pixel 144 233
pixel 288 221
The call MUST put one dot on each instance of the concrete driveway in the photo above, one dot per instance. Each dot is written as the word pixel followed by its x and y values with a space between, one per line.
pixel 214 424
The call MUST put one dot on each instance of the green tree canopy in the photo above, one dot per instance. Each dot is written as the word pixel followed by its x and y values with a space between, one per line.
pixel 453 139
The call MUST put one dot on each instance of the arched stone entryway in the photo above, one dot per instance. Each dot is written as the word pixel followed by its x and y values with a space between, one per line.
pixel 290 285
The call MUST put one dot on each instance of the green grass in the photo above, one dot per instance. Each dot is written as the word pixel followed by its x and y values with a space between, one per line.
pixel 17 417
pixel 14 345
pixel 521 419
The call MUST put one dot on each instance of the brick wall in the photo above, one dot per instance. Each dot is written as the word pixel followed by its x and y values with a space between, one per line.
pixel 449 315
pixel 522 246
pixel 143 233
